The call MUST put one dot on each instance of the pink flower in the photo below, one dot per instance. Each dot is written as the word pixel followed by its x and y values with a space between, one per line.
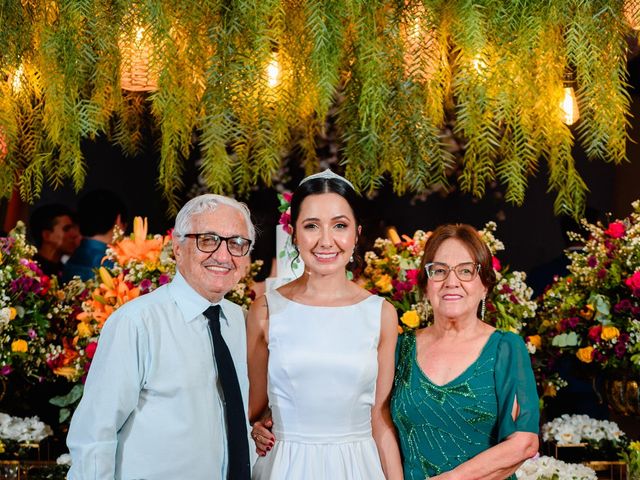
pixel 633 282
pixel 287 196
pixel 163 279
pixel 412 276
pixel 32 333
pixel 496 263
pixel 592 261
pixel 615 230
pixel 285 221
pixel 5 370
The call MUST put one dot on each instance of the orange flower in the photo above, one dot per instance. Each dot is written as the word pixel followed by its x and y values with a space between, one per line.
pixel 138 246
pixel 536 341
pixel 109 296
pixel 19 346
pixel 550 390
pixel 585 354
pixel 609 332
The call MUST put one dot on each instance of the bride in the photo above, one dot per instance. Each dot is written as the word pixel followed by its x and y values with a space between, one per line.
pixel 321 354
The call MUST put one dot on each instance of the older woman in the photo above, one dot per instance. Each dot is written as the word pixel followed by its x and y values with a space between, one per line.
pixel 464 403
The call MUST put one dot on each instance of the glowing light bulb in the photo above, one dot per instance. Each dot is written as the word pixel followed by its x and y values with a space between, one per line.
pixel 569 106
pixel 139 34
pixel 479 64
pixel 273 71
pixel 16 81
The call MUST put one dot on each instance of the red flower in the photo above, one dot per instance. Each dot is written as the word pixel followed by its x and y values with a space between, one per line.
pixel 615 230
pixel 287 196
pixel 90 349
pixel 594 333
pixel 633 282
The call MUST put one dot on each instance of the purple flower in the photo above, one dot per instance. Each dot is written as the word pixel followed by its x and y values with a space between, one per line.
pixel 592 261
pixel 598 356
pixel 5 370
pixel 620 349
pixel 623 305
pixel 602 273
pixel 573 322
pixel 164 278
pixel 145 284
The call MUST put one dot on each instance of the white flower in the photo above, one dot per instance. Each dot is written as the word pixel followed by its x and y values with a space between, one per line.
pixel 546 467
pixel 64 459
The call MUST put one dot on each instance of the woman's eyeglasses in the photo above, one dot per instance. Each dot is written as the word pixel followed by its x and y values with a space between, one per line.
pixel 438 272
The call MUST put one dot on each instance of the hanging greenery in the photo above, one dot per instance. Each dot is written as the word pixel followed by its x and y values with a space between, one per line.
pixel 253 79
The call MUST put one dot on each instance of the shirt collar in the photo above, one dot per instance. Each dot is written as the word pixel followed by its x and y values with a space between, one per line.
pixel 189 302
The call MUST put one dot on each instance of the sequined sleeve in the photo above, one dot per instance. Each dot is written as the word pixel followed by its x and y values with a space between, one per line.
pixel 514 379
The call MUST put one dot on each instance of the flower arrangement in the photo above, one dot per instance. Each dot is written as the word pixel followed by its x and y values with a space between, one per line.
pixel 594 313
pixel 549 468
pixel 26 298
pixel 392 270
pixel 571 429
pixel 17 434
pixel 631 456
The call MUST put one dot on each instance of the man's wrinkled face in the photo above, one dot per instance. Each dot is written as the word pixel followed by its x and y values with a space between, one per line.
pixel 212 275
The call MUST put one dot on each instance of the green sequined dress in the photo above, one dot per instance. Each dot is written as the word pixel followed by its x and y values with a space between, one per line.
pixel 442 426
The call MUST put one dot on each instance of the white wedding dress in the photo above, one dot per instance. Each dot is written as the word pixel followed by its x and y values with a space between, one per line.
pixel 322 375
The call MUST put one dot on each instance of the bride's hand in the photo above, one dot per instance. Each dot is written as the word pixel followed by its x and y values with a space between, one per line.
pixel 262 436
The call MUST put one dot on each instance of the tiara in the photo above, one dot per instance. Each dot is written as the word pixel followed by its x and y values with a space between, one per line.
pixel 329 175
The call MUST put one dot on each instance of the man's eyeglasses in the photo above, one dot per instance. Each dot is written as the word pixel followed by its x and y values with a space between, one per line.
pixel 438 272
pixel 210 242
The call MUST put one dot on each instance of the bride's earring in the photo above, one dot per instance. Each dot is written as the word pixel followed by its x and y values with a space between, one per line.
pixel 483 308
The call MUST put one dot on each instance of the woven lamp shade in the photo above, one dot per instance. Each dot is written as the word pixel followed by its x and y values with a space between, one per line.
pixel 137 73
pixel 632 13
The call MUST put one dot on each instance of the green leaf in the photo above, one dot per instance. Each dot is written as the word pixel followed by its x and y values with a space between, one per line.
pixel 70 398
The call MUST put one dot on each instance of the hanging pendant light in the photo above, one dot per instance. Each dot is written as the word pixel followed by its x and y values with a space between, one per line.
pixel 631 12
pixel 137 72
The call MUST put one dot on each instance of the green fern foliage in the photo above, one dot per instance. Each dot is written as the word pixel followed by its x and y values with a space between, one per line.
pixel 238 84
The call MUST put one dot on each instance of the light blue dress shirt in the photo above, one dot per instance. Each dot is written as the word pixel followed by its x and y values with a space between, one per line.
pixel 152 406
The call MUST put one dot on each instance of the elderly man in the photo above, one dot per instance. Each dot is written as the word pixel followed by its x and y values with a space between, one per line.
pixel 166 395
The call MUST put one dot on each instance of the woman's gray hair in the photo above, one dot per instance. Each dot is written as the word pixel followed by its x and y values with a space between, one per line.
pixel 209 202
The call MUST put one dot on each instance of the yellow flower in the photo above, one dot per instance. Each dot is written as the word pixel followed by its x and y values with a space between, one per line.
pixel 609 332
pixel 19 346
pixel 550 390
pixel 585 354
pixel 536 341
pixel 410 319
pixel 66 372
pixel 635 446
pixel 84 330
pixel 384 284
pixel 12 313
pixel 1 444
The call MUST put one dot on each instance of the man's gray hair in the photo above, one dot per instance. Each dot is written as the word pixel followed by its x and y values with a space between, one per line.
pixel 209 202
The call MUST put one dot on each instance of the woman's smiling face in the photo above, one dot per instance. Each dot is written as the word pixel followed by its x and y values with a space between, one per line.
pixel 325 232
pixel 453 298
